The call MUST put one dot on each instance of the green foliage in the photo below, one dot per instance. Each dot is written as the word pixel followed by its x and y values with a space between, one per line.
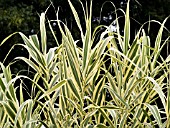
pixel 17 18
pixel 71 83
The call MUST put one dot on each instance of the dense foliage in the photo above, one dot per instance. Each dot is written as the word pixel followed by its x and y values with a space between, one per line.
pixel 19 15
pixel 102 78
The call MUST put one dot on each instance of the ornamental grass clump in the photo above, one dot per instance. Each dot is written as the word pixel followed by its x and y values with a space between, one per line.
pixel 71 83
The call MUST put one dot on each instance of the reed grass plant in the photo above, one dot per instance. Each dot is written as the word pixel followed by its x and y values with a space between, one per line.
pixel 112 81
